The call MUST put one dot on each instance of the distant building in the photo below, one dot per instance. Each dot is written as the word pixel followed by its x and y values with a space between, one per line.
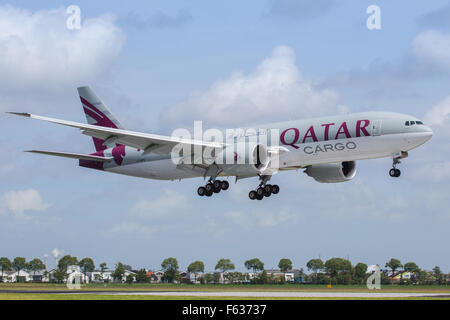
pixel 289 275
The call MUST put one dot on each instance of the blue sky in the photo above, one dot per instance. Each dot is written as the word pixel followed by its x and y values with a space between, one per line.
pixel 160 65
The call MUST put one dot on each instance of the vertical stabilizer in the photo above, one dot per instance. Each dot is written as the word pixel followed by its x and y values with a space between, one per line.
pixel 97 114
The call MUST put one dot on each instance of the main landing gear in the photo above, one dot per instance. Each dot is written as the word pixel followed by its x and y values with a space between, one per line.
pixel 394 172
pixel 212 187
pixel 264 189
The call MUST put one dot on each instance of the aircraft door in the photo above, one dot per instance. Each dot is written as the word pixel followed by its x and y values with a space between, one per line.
pixel 376 127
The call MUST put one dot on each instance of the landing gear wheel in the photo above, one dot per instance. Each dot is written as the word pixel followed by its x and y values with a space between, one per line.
pixel 395 173
pixel 275 189
pixel 209 193
pixel 252 195
pixel 225 185
pixel 259 197
pixel 201 191
pixel 267 190
pixel 260 192
pixel 217 186
pixel 209 187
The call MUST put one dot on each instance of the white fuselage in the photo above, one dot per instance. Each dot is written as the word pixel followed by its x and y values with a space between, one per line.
pixel 306 142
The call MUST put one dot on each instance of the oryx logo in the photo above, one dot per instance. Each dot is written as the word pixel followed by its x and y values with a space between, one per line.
pixel 119 153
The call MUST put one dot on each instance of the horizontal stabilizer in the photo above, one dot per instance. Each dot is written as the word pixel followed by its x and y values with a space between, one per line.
pixel 72 155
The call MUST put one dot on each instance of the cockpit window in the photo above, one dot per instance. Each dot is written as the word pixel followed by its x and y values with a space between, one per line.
pixel 411 123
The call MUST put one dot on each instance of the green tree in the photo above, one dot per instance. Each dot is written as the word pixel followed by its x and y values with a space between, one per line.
pixel 334 266
pixel 360 272
pixel 36 265
pixel 411 267
pixel 5 264
pixel 254 264
pixel 208 277
pixel 103 267
pixel 170 268
pixel 224 265
pixel 235 277
pixel 130 278
pixel 438 274
pixel 315 265
pixel 67 261
pixel 19 263
pixel 59 275
pixel 142 276
pixel 285 264
pixel 196 267
pixel 128 267
pixel 393 264
pixel 86 265
pixel 119 271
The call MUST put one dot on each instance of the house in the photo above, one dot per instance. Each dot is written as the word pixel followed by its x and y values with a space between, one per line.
pixel 289 275
pixel 190 277
pixel 98 276
pixel 40 276
pixel 156 277
pixel 13 276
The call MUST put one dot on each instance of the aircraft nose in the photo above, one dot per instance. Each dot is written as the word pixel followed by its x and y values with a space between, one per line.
pixel 428 131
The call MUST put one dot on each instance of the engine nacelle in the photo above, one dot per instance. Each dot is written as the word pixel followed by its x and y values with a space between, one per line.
pixel 332 172
pixel 246 160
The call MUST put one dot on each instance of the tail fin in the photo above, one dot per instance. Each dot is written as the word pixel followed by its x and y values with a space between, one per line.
pixel 97 114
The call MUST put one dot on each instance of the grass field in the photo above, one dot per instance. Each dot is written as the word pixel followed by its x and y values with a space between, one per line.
pixel 223 287
pixel 37 291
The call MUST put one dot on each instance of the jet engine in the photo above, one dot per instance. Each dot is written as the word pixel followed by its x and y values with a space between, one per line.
pixel 245 160
pixel 332 172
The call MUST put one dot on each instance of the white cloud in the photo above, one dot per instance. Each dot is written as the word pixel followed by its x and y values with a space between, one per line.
pixel 38 51
pixel 439 113
pixel 433 48
pixel 275 90
pixel 131 228
pixel 18 202
pixel 434 171
pixel 263 217
pixel 171 203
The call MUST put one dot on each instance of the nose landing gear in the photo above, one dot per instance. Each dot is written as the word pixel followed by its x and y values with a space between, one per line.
pixel 394 172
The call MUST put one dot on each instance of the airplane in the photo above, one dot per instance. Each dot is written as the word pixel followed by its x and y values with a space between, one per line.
pixel 326 148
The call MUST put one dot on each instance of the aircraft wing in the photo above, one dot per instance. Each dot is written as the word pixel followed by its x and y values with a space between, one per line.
pixel 145 141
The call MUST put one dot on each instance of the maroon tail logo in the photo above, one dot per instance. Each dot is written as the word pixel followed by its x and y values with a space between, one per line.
pixel 101 120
